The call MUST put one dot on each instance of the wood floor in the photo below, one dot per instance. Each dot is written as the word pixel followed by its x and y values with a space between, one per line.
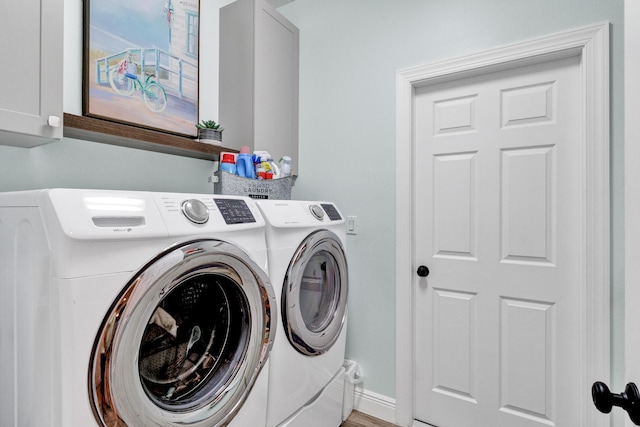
pixel 358 419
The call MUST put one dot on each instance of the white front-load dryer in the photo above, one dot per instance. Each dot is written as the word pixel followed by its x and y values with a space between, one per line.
pixel 133 309
pixel 306 244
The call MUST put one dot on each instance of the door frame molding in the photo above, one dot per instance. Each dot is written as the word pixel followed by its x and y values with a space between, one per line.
pixel 591 45
pixel 631 194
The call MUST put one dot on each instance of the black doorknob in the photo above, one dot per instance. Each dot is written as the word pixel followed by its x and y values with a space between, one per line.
pixel 423 271
pixel 629 400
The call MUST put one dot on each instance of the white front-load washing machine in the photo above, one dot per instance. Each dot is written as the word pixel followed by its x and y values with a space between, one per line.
pixel 133 309
pixel 306 244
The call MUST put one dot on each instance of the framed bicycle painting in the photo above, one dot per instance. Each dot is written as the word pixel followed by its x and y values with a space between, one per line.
pixel 141 63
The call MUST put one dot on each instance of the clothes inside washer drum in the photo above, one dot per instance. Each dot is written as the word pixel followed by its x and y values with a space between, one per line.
pixel 164 358
pixel 208 310
pixel 166 362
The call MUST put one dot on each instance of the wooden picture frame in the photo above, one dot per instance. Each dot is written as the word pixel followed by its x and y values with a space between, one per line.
pixel 141 63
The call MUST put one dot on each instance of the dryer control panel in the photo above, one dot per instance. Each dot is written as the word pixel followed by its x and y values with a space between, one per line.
pixel 331 210
pixel 297 213
pixel 317 212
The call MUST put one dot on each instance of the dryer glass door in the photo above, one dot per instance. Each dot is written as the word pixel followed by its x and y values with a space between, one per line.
pixel 314 295
pixel 186 339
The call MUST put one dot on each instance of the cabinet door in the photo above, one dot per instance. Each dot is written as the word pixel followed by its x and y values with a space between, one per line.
pixel 259 55
pixel 31 40
pixel 276 85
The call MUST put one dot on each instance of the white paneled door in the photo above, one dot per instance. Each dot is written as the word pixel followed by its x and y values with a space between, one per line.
pixel 498 214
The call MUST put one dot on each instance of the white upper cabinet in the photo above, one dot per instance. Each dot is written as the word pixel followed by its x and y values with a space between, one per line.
pixel 31 41
pixel 259 60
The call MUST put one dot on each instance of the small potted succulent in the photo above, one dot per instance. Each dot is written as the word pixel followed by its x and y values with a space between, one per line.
pixel 209 132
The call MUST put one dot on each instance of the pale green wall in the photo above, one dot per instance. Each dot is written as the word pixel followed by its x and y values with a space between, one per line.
pixel 82 164
pixel 350 51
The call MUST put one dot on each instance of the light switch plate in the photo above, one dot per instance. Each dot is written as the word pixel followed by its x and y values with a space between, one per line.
pixel 352 224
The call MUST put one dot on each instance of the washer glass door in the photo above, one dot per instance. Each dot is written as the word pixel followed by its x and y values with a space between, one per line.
pixel 314 295
pixel 185 341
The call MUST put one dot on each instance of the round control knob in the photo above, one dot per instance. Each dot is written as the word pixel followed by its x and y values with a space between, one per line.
pixel 195 211
pixel 317 212
pixel 423 271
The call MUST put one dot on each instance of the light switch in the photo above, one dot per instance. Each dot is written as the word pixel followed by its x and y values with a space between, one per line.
pixel 352 225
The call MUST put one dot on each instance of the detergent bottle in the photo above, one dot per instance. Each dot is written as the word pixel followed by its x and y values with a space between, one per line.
pixel 244 163
pixel 228 163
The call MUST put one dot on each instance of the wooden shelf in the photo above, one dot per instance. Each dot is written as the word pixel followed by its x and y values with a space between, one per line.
pixel 98 130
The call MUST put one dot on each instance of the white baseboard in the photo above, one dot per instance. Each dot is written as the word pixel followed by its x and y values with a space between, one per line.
pixel 375 404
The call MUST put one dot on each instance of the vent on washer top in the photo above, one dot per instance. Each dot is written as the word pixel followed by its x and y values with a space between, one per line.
pixel 118 221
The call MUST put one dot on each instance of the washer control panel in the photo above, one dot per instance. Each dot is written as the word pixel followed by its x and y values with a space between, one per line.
pixel 195 211
pixel 192 213
pixel 235 211
pixel 317 212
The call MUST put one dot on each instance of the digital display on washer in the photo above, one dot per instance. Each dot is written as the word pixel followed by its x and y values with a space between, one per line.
pixel 235 211
pixel 331 211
